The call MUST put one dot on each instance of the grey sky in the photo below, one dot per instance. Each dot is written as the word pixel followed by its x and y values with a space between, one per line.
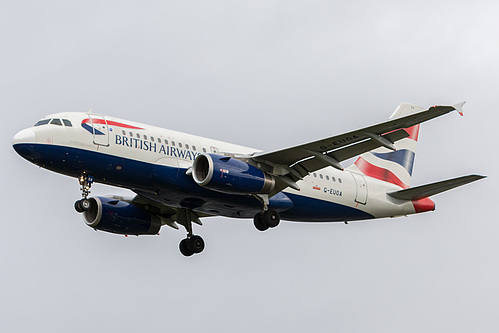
pixel 266 74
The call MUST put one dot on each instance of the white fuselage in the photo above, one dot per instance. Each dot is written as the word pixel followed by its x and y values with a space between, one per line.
pixel 114 140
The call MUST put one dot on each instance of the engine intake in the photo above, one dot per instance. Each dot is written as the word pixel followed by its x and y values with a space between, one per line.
pixel 120 217
pixel 230 175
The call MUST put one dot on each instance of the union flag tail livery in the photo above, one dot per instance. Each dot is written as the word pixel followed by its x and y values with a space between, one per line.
pixel 180 178
pixel 393 166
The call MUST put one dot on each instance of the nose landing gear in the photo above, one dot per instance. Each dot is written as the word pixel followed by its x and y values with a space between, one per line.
pixel 85 184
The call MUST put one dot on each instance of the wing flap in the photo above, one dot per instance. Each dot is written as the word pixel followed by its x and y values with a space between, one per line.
pixel 425 191
pixel 314 164
pixel 351 143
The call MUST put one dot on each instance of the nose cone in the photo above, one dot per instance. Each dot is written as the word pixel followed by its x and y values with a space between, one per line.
pixel 23 143
pixel 24 136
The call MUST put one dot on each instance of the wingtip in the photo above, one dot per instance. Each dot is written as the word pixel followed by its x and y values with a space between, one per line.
pixel 459 107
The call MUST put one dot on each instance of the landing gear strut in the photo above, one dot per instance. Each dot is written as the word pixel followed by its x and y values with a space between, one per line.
pixel 85 184
pixel 193 244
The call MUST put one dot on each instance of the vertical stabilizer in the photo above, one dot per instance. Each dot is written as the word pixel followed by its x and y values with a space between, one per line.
pixel 388 165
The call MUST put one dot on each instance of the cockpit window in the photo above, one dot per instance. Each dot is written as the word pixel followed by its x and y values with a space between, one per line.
pixel 56 121
pixel 42 122
pixel 67 123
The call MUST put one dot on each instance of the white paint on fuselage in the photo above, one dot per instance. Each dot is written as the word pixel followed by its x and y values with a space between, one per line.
pixel 342 190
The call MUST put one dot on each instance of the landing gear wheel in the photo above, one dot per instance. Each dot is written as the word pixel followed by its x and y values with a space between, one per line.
pixel 184 248
pixel 196 244
pixel 271 218
pixel 267 219
pixel 258 222
pixel 85 204
pixel 86 182
pixel 78 207
pixel 82 205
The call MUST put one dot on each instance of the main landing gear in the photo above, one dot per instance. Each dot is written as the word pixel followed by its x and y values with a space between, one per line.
pixel 193 244
pixel 85 184
pixel 266 219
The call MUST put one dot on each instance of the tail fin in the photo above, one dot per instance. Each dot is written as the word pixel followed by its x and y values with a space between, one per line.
pixel 392 166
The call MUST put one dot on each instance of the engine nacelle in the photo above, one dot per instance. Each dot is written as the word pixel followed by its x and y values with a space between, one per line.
pixel 230 175
pixel 119 217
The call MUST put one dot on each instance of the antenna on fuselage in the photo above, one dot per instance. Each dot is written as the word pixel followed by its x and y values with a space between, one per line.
pixel 89 111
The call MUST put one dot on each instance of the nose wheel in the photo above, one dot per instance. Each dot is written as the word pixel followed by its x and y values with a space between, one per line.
pixel 86 182
pixel 82 205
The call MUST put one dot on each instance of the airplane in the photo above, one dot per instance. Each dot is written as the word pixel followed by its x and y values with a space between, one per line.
pixel 179 178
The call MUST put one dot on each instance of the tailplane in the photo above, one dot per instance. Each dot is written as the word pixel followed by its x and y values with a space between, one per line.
pixel 425 191
pixel 392 166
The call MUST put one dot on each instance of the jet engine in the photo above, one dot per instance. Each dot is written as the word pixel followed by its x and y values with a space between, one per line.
pixel 230 175
pixel 120 217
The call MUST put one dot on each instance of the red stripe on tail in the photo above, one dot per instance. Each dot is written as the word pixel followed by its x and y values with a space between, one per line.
pixel 379 173
pixel 413 132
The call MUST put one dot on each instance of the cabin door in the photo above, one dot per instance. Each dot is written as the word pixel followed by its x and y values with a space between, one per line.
pixel 360 182
pixel 101 130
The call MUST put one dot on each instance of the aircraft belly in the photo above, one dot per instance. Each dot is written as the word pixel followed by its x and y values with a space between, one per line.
pixel 309 209
pixel 176 189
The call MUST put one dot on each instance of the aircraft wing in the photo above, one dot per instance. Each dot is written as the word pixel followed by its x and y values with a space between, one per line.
pixel 294 163
pixel 425 191
pixel 155 204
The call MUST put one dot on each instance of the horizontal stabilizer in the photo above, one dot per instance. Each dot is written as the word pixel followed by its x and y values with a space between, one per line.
pixel 425 191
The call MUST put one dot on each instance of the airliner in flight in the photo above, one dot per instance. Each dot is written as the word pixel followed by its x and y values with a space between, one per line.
pixel 180 178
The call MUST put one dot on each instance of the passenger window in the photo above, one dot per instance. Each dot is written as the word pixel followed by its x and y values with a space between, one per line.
pixel 315 175
pixel 166 142
pixel 145 137
pixel 56 121
pixel 42 122
pixel 123 132
pixel 334 179
pixel 204 150
pixel 194 148
pixel 186 146
pixel 173 143
pixel 67 123
pixel 320 175
pixel 152 138
pixel 138 136
pixel 131 134
pixel 327 177
pixel 159 140
pixel 180 145
pixel 339 180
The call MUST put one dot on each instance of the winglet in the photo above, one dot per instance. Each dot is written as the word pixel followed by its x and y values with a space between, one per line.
pixel 459 107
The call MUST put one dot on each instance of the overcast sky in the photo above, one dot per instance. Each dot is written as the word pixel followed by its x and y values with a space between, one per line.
pixel 265 74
